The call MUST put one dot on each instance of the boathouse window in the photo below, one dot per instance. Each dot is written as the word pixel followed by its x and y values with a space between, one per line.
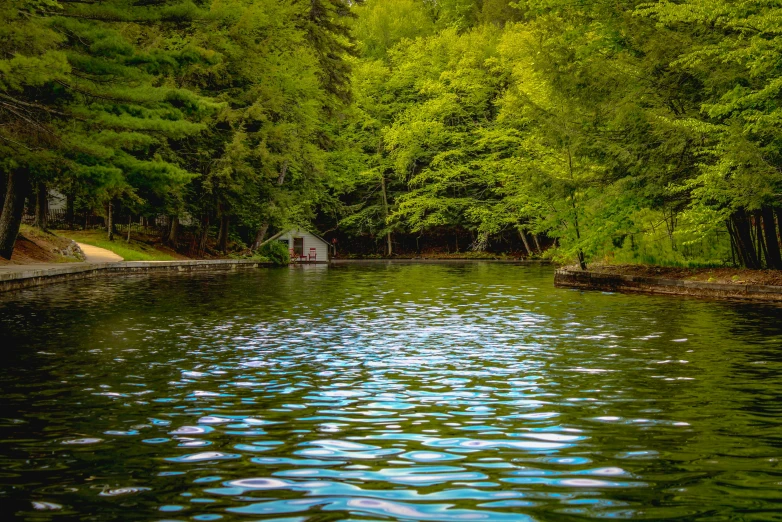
pixel 298 246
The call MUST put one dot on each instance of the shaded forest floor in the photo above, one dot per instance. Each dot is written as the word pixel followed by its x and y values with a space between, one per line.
pixel 726 275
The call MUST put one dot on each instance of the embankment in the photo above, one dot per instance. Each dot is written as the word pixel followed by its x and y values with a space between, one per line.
pixel 614 282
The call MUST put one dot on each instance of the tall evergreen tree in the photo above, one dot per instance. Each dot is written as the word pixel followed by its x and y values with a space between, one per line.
pixel 99 102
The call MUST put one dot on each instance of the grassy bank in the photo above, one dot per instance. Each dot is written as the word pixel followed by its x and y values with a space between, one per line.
pixel 132 250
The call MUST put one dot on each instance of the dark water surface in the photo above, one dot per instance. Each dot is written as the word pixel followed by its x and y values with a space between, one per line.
pixel 452 392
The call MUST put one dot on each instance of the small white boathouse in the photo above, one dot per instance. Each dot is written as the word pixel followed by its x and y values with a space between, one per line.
pixel 305 246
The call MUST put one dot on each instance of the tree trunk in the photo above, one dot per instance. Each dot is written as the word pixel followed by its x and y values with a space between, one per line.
pixel 759 238
pixel 537 243
pixel 129 221
pixel 743 234
pixel 385 211
pixel 581 261
pixel 734 235
pixel 260 235
pixel 283 171
pixel 778 212
pixel 173 232
pixel 733 241
pixel 265 225
pixel 204 235
pixel 670 226
pixel 16 190
pixel 773 255
pixel 389 249
pixel 164 230
pixel 3 186
pixel 523 237
pixel 69 210
pixel 222 238
pixel 41 205
pixel 110 221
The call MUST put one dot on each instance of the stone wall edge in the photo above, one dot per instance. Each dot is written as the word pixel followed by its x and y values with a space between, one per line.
pixel 32 278
pixel 587 280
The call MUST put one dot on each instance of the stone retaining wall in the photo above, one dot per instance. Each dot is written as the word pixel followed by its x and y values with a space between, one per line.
pixel 653 285
pixel 17 280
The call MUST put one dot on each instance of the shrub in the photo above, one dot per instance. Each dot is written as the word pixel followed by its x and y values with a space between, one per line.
pixel 276 252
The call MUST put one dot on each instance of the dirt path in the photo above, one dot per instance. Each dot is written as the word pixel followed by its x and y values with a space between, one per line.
pixel 95 254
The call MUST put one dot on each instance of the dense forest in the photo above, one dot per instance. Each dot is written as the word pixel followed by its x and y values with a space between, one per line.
pixel 627 131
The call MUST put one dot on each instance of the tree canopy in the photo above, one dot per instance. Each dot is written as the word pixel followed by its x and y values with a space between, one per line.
pixel 635 131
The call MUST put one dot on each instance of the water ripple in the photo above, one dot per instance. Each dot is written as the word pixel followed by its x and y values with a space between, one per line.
pixel 452 392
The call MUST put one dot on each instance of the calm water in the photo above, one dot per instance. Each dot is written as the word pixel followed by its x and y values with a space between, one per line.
pixel 385 392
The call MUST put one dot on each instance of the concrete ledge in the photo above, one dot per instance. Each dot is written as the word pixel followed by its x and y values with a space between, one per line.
pixel 13 278
pixel 652 285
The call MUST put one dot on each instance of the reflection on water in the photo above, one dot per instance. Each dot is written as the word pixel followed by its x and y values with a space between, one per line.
pixel 385 392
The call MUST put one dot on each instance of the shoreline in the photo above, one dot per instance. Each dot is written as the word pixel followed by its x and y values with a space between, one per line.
pixel 617 282
pixel 27 276
pixel 19 277
pixel 438 260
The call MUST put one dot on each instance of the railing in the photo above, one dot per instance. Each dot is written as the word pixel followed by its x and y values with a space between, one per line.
pixel 147 227
pixel 54 219
pixel 59 219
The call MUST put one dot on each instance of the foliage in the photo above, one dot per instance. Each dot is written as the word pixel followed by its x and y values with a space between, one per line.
pixel 187 110
pixel 626 131
pixel 631 130
pixel 276 252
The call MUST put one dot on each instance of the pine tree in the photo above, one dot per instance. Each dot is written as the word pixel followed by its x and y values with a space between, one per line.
pixel 96 100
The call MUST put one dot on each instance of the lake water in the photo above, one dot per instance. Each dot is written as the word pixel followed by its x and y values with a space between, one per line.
pixel 437 392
